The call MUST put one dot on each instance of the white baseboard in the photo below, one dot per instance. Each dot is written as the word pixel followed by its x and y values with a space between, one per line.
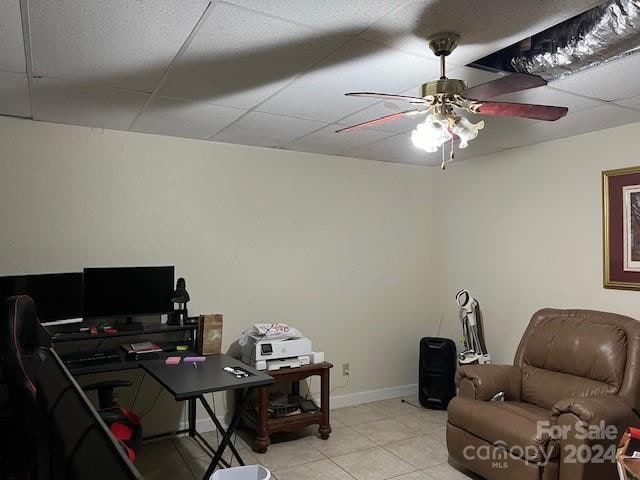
pixel 358 398
pixel 337 401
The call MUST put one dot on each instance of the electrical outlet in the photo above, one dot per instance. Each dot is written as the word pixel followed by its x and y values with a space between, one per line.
pixel 345 369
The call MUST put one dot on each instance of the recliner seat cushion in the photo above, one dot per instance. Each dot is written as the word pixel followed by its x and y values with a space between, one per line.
pixel 513 425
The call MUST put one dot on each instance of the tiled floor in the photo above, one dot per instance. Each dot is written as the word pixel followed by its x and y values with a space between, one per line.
pixel 377 441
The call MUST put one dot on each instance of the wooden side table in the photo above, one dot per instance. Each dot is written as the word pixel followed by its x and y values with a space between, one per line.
pixel 265 426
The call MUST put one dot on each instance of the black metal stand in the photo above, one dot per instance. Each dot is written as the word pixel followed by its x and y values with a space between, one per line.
pixel 217 459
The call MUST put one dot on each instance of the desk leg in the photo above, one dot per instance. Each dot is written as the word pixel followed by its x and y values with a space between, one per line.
pixel 262 439
pixel 191 413
pixel 325 426
pixel 226 435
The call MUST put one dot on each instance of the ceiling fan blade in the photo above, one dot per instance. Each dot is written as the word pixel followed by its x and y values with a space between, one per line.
pixel 523 110
pixel 387 96
pixel 514 82
pixel 385 119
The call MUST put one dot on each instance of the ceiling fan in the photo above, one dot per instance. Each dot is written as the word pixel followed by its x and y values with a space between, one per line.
pixel 441 97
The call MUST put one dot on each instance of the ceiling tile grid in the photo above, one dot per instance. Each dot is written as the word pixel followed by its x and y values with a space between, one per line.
pixel 514 132
pixel 358 66
pixel 11 42
pixel 633 102
pixel 328 142
pixel 54 100
pixel 266 130
pixel 614 80
pixel 400 149
pixel 239 57
pixel 347 17
pixel 120 43
pixel 273 73
pixel 14 94
pixel 181 118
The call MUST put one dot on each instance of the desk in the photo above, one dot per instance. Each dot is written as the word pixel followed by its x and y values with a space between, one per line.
pixel 186 382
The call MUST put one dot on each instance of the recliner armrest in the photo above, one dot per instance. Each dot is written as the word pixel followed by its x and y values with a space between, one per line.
pixel 583 429
pixel 595 410
pixel 482 382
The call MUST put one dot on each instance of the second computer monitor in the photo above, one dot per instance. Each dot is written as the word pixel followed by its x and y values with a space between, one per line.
pixel 58 296
pixel 127 291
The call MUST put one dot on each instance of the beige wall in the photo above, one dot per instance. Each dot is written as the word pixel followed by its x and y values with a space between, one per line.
pixel 338 247
pixel 364 257
pixel 522 230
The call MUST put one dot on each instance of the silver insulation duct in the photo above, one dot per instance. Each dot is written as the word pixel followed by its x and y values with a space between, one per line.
pixel 604 33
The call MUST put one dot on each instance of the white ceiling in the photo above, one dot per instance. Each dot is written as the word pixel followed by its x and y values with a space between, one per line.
pixel 272 73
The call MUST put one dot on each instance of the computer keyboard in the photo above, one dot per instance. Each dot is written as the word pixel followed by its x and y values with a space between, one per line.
pixel 86 359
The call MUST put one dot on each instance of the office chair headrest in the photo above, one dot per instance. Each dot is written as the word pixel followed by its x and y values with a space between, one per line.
pixel 21 335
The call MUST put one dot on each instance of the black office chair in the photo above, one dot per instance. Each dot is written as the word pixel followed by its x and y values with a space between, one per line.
pixel 77 443
pixel 21 339
pixel 123 423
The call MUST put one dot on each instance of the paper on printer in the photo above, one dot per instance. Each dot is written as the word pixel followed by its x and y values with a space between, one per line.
pixel 267 346
pixel 271 331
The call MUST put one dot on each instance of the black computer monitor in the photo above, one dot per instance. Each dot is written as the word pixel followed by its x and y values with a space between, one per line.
pixel 127 291
pixel 58 296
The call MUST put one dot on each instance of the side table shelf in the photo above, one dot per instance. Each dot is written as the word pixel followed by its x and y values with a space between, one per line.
pixel 259 420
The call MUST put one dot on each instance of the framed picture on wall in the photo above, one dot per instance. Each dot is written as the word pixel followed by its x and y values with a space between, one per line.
pixel 621 228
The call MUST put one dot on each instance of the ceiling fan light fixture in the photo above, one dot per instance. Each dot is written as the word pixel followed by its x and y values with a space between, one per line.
pixel 465 130
pixel 430 134
pixel 440 99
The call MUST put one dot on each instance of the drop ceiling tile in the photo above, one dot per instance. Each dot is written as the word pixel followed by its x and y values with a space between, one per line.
pixel 60 101
pixel 400 149
pixel 633 102
pixel 180 118
pixel 549 96
pixel 514 132
pixel 328 142
pixel 120 43
pixel 485 27
pixel 239 58
pixel 14 95
pixel 613 80
pixel 12 51
pixel 472 76
pixel 359 66
pixel 348 17
pixel 264 130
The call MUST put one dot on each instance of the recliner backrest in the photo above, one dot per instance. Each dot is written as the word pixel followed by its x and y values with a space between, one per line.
pixel 578 353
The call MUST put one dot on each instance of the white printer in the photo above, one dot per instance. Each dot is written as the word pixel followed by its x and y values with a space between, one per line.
pixel 269 348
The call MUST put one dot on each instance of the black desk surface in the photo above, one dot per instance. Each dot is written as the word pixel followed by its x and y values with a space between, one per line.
pixel 185 381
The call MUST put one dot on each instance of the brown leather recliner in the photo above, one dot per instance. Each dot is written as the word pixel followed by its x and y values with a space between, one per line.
pixel 574 372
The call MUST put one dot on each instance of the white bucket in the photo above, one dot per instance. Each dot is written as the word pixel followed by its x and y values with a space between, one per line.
pixel 250 472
